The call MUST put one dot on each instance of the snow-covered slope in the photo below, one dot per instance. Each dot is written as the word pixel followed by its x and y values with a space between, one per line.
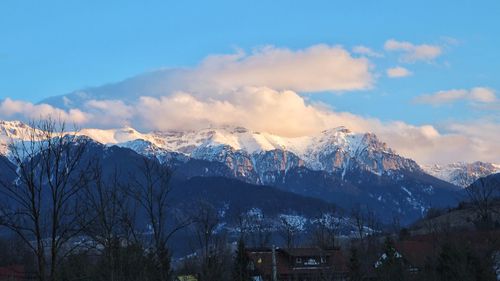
pixel 114 136
pixel 336 165
pixel 460 173
pixel 15 130
pixel 336 149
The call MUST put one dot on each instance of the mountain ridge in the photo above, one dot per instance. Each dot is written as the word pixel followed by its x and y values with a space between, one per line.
pixel 461 173
pixel 345 168
pixel 336 149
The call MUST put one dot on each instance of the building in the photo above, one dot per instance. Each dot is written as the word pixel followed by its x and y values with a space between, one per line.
pixel 13 272
pixel 412 255
pixel 298 264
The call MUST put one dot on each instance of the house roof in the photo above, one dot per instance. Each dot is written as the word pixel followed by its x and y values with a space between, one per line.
pixel 416 252
pixel 306 252
pixel 263 262
pixel 16 271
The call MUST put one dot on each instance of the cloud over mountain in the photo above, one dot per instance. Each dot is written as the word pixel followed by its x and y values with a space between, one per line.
pixel 284 113
pixel 18 109
pixel 316 68
pixel 261 91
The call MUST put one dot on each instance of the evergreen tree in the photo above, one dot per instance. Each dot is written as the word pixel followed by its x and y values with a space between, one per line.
pixel 354 266
pixel 450 263
pixel 457 262
pixel 241 271
pixel 391 266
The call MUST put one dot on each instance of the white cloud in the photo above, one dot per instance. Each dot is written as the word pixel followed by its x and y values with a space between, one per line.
pixel 257 108
pixel 259 91
pixel 413 53
pixel 108 113
pixel 481 94
pixel 398 72
pixel 317 68
pixel 366 51
pixel 284 113
pixel 16 109
pixel 478 94
pixel 287 113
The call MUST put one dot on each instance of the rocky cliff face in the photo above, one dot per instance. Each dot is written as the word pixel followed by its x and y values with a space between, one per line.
pixel 341 150
pixel 264 161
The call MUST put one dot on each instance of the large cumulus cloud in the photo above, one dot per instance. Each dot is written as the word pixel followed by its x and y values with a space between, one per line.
pixel 261 91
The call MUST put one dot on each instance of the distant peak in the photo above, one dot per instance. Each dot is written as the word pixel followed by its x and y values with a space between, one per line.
pixel 228 128
pixel 340 129
pixel 240 130
pixel 128 129
pixel 13 123
pixel 222 129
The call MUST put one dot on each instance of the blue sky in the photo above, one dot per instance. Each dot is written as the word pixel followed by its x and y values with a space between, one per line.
pixel 52 48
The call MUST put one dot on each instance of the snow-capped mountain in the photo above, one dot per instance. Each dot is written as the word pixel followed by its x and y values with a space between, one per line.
pixel 336 165
pixel 12 131
pixel 332 150
pixel 462 174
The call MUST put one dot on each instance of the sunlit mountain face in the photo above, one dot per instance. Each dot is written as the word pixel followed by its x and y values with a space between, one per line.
pixel 338 166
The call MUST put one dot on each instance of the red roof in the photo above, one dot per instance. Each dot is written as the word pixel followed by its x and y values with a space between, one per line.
pixel 302 252
pixel 416 252
pixel 12 272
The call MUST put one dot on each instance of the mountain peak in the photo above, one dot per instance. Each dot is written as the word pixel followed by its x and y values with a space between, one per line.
pixel 333 149
pixel 340 129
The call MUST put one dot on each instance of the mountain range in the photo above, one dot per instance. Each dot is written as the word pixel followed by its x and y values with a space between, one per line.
pixel 351 170
pixel 462 174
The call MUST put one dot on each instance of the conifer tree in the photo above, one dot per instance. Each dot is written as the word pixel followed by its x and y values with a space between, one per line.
pixel 354 266
pixel 241 271
pixel 391 265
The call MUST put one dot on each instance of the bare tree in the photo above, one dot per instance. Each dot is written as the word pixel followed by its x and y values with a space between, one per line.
pixel 151 188
pixel 255 227
pixel 372 221
pixel 211 241
pixel 290 227
pixel 106 206
pixel 482 194
pixel 359 222
pixel 365 221
pixel 50 172
pixel 326 229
